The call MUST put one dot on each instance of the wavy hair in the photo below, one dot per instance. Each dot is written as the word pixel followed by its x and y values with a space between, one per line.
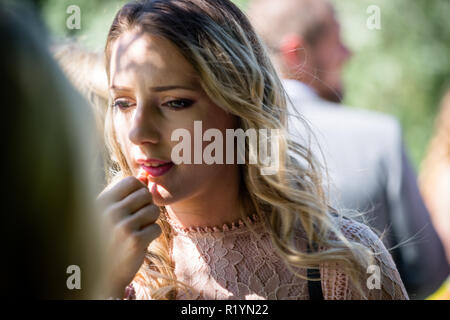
pixel 235 71
pixel 86 71
pixel 434 172
pixel 439 150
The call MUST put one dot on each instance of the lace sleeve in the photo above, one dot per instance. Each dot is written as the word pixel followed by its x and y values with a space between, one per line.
pixel 382 282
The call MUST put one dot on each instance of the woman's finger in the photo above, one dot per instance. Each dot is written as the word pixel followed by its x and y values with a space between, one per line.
pixel 143 217
pixel 120 190
pixel 136 200
pixel 149 233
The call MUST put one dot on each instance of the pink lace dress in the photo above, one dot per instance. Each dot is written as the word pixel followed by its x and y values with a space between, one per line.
pixel 235 263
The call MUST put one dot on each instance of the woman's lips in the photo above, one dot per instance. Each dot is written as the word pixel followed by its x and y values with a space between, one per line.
pixel 158 171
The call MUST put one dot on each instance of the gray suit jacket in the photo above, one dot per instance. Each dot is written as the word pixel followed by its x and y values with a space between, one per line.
pixel 369 171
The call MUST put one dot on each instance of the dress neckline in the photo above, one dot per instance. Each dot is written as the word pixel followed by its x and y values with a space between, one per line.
pixel 238 225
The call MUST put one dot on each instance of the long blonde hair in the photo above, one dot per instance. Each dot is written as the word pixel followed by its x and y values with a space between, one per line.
pixel 86 71
pixel 439 150
pixel 236 73
pixel 435 170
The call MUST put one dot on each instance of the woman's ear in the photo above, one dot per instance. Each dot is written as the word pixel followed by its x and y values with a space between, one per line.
pixel 292 52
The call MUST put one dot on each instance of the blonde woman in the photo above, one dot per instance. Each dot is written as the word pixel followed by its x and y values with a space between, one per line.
pixel 217 231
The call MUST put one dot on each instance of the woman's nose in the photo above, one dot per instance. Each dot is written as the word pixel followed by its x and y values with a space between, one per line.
pixel 143 128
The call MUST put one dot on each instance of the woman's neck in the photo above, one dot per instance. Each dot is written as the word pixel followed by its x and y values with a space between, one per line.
pixel 217 205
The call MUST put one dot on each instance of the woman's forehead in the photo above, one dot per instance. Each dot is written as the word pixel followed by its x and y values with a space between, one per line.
pixel 150 57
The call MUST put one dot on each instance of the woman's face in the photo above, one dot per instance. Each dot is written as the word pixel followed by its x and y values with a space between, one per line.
pixel 155 91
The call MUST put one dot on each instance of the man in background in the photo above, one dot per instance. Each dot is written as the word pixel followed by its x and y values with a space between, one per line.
pixel 362 150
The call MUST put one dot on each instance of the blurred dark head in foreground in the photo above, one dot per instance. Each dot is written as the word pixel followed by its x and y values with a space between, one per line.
pixel 48 220
pixel 305 42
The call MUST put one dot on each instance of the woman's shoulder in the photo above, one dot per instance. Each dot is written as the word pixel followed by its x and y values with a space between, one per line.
pixel 382 280
pixel 357 231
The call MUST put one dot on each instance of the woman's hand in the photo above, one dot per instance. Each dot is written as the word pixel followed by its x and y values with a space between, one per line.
pixel 129 226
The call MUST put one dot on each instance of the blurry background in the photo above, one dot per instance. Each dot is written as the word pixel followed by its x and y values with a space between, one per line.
pixel 402 69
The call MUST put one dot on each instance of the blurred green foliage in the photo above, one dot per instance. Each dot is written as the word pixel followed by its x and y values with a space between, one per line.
pixel 96 18
pixel 401 69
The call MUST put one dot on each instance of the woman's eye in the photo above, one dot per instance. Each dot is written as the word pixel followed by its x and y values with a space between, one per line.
pixel 122 104
pixel 178 104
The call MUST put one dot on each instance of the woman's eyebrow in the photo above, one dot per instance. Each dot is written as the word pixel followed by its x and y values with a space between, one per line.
pixel 173 87
pixel 118 88
pixel 157 88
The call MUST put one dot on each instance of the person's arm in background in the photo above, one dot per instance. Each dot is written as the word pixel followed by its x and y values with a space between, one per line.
pixel 423 262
